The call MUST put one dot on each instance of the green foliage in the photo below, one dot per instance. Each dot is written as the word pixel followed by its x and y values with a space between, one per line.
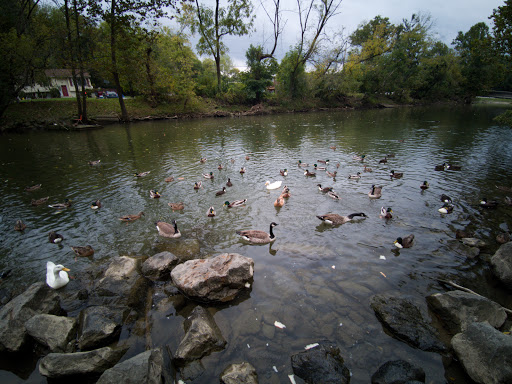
pixel 291 76
pixel 502 18
pixel 260 74
pixel 505 118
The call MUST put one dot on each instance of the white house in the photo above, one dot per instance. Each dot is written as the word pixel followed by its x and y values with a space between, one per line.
pixel 59 79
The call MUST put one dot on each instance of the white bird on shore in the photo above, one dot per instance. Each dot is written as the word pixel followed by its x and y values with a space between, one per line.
pixel 56 275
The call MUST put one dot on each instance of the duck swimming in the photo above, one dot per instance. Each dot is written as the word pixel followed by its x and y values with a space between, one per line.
pixel 488 203
pixel 39 201
pixel 242 170
pixel 301 164
pixel 54 237
pixel 142 174
pixel 405 242
pixel 386 213
pixel 356 176
pixel 95 205
pixel 210 212
pixel 65 204
pixel 366 169
pixel 283 172
pixel 424 185
pixel 446 208
pixel 33 188
pixel 335 219
pixel 83 251
pixel 198 184
pixel 307 173
pixel 279 201
pixel 258 237
pixel 229 183
pixel 274 185
pixel 333 195
pixel 445 198
pixel 169 179
pixel 331 174
pixel 56 275
pixel 396 175
pixel 20 225
pixel 168 230
pixel 318 168
pixel 176 206
pixel 154 194
pixel 130 218
pixel 208 176
pixel 236 203
pixel 94 162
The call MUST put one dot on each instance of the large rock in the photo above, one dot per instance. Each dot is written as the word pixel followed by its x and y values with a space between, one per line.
pixel 241 373
pixel 406 322
pixel 458 309
pixel 219 278
pixel 122 283
pixel 485 353
pixel 38 298
pixel 100 325
pixel 202 337
pixel 502 264
pixel 57 365
pixel 54 332
pixel 150 367
pixel 397 372
pixel 159 266
pixel 321 364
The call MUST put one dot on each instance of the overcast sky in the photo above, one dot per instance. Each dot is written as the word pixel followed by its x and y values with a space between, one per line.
pixel 449 17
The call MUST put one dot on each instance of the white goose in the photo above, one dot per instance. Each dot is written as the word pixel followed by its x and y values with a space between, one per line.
pixel 274 185
pixel 56 275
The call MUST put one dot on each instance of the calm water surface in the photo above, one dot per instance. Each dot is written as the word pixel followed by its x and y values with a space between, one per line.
pixel 315 279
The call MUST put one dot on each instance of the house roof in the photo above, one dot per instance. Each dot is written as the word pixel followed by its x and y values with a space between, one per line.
pixel 59 73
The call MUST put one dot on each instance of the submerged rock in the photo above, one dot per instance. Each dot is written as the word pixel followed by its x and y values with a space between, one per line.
pixel 219 278
pixel 502 264
pixel 398 371
pixel 485 353
pixel 100 325
pixel 406 322
pixel 202 337
pixel 54 332
pixel 159 266
pixel 241 373
pixel 473 242
pixel 321 364
pixel 37 299
pixel 57 365
pixel 458 309
pixel 152 367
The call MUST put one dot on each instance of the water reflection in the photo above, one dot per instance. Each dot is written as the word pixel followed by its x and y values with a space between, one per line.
pixel 315 279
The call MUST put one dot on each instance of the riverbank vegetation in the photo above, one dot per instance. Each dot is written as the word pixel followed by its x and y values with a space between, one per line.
pixel 157 72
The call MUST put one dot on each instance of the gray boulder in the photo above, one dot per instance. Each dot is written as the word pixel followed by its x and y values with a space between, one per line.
pixel 218 278
pixel 458 309
pixel 321 364
pixel 54 332
pixel 150 367
pixel 100 325
pixel 502 264
pixel 485 353
pixel 58 365
pixel 159 266
pixel 122 284
pixel 38 298
pixel 241 373
pixel 473 242
pixel 406 322
pixel 398 372
pixel 202 337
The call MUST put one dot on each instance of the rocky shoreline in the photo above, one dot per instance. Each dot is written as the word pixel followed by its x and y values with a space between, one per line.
pixel 86 346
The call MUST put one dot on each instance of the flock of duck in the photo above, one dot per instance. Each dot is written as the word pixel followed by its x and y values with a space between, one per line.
pixel 57 276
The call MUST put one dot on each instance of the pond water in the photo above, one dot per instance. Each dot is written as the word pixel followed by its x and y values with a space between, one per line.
pixel 315 279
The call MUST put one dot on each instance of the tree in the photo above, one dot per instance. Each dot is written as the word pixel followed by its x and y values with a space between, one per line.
pixel 260 73
pixel 214 24
pixel 502 18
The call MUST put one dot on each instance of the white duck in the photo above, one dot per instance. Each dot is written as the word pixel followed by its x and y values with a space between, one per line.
pixel 274 185
pixel 56 275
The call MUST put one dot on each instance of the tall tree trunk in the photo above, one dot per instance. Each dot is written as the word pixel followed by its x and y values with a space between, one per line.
pixel 85 119
pixel 151 80
pixel 72 59
pixel 217 47
pixel 115 72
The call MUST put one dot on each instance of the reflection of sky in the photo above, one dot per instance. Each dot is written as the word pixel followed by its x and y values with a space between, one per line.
pixel 449 18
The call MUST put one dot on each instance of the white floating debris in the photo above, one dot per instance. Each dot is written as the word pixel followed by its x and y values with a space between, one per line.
pixel 247 285
pixel 248 346
pixel 309 346
pixel 279 325
pixel 275 369
pixel 333 267
pixel 292 379
pixel 382 257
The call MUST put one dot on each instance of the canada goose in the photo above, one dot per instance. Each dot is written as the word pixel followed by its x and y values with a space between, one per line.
pixel 307 173
pixel 335 219
pixel 325 189
pixel 33 188
pixel 445 198
pixel 229 183
pixel 210 212
pixel 129 218
pixel 83 251
pixel 375 192
pixel 383 161
pixel 333 195
pixel 366 169
pixel 154 194
pixel 39 201
pixel 242 170
pixel 169 179
pixel 65 204
pixel 405 242
pixel 198 184
pixel 425 185
pixel 223 191
pixel 94 162
pixel 279 201
pixel 176 206
pixel 20 225
pixel 142 174
pixel 446 208
pixel 488 203
pixel 386 213
pixel 318 168
pixel 258 237
pixel 56 275
pixel 96 205
pixel 54 237
pixel 274 185
pixel 168 230
pixel 283 172
pixel 331 174
pixel 208 176
pixel 356 176
pixel 236 203
pixel 396 175
pixel 301 164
